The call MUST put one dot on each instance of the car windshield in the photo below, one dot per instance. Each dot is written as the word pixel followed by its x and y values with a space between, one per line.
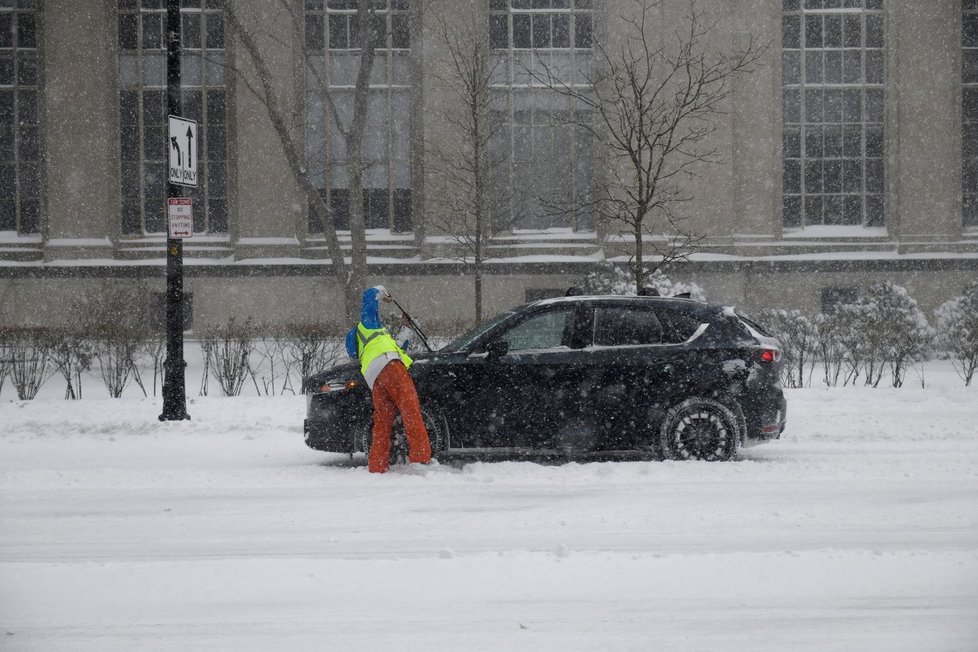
pixel 466 340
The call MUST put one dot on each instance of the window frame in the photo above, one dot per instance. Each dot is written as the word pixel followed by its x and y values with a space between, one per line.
pixel 531 132
pixel 388 205
pixel 22 167
pixel 969 115
pixel 830 179
pixel 142 80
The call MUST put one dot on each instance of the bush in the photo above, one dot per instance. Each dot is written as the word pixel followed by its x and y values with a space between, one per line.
pixel 799 337
pixel 883 329
pixel 28 359
pixel 115 319
pixel 957 328
pixel 227 355
pixel 72 353
pixel 608 278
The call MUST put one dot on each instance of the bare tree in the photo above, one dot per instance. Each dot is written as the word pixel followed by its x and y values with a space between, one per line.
pixel 463 157
pixel 351 277
pixel 653 101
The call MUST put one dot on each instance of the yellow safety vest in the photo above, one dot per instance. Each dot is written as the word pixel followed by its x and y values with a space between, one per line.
pixel 374 342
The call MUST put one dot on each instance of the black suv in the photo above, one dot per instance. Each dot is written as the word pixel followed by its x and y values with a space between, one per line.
pixel 577 376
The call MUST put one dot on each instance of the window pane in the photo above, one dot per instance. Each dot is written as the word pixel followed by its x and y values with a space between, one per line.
pixel 583 37
pixel 152 31
pixel 792 144
pixel 792 177
pixel 190 31
pixel 521 31
pixel 561 31
pixel 969 30
pixel 625 327
pixel 791 32
pixel 852 62
pixel 26 31
pixel 791 68
pixel 970 67
pixel 27 68
pixel 6 30
pixel 544 331
pixel 874 31
pixel 852 32
pixel 400 35
pixel 814 111
pixel 792 106
pixel 337 33
pixel 833 31
pixel 833 67
pixel 315 32
pixel 813 31
pixel 814 67
pixel 215 31
pixel 874 67
pixel 874 105
pixel 498 31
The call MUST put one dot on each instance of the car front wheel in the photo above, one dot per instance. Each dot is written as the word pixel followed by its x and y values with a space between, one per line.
pixel 699 429
pixel 433 423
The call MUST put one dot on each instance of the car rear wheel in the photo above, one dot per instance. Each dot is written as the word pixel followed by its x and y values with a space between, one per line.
pixel 433 423
pixel 699 429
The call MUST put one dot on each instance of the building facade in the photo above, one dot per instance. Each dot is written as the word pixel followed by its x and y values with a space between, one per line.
pixel 847 156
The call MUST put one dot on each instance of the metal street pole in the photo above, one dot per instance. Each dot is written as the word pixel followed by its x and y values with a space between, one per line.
pixel 174 378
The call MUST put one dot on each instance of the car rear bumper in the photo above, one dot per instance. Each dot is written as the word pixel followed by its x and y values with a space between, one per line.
pixel 770 422
pixel 323 436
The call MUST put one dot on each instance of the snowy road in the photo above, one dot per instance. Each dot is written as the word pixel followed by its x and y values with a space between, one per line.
pixel 859 530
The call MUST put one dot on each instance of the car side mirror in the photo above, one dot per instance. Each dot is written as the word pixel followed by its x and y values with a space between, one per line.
pixel 497 349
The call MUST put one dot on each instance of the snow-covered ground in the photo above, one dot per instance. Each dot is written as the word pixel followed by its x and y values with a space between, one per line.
pixel 857 531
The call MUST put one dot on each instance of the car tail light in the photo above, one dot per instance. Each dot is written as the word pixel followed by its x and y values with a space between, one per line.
pixel 769 355
pixel 335 387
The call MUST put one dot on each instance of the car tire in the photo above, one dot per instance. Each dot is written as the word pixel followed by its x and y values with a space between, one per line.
pixel 434 423
pixel 700 429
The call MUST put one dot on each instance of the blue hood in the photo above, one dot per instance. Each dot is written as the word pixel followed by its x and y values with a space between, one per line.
pixel 370 311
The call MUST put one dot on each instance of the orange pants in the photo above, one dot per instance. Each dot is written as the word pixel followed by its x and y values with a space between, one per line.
pixel 394 392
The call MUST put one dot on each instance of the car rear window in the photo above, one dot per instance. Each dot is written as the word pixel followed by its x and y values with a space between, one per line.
pixel 677 327
pixel 622 326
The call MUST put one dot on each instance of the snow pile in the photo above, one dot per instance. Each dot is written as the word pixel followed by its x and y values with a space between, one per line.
pixel 858 530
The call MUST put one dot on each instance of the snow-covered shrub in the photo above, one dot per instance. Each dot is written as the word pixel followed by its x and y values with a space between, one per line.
pixel 957 332
pixel 72 354
pixel 883 329
pixel 838 345
pixel 608 278
pixel 28 359
pixel 289 354
pixel 900 330
pixel 227 355
pixel 798 335
pixel 4 357
pixel 115 320
pixel 154 347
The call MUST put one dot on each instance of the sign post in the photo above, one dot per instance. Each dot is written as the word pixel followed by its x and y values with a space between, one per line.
pixel 183 171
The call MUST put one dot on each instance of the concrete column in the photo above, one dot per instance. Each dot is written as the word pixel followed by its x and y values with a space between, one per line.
pixel 755 152
pixel 923 121
pixel 80 128
pixel 269 209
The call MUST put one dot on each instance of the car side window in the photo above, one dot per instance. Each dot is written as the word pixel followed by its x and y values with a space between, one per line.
pixel 677 327
pixel 622 326
pixel 546 330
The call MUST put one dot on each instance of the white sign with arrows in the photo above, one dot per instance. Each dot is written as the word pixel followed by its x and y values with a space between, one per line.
pixel 182 144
